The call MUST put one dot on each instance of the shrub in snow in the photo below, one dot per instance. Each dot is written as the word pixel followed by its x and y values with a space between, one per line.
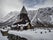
pixel 41 32
pixel 45 32
pixel 15 37
pixel 23 39
pixel 35 32
pixel 49 30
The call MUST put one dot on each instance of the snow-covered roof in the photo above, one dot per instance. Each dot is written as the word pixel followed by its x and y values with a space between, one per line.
pixel 23 24
pixel 23 10
pixel 8 28
pixel 4 30
pixel 13 25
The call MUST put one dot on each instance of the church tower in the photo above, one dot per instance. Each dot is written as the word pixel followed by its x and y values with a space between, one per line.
pixel 25 22
pixel 24 15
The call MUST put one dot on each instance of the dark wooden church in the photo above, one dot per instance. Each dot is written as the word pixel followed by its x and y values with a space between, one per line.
pixel 24 22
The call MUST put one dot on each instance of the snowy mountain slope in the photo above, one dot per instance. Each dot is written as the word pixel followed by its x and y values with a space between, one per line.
pixel 45 15
pixel 31 14
pixel 10 18
pixel 9 15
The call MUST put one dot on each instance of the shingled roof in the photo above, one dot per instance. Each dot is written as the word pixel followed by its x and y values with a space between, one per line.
pixel 23 10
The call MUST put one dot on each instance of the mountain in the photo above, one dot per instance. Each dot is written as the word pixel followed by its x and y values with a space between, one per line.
pixel 44 16
pixel 10 18
pixel 31 14
pixel 41 16
pixel 10 15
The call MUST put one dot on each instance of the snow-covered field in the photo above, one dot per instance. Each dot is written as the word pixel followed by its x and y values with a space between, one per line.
pixel 3 37
pixel 34 35
pixel 31 34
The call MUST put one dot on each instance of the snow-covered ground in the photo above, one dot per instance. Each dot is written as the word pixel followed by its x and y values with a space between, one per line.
pixel 3 37
pixel 31 34
pixel 34 35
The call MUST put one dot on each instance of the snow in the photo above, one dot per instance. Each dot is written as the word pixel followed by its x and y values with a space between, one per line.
pixel 39 20
pixel 9 16
pixel 13 26
pixel 3 30
pixel 45 14
pixel 31 34
pixel 34 35
pixel 3 37
pixel 8 28
pixel 34 17
pixel 23 24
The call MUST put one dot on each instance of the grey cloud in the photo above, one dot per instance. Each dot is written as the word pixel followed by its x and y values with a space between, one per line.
pixel 48 3
pixel 9 5
pixel 32 3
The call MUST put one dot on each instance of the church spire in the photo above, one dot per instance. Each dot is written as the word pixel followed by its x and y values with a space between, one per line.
pixel 23 10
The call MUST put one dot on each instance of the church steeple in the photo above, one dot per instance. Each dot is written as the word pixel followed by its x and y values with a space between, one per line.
pixel 23 10
pixel 24 19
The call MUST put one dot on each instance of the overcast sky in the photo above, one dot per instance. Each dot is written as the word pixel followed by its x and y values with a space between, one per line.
pixel 12 5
